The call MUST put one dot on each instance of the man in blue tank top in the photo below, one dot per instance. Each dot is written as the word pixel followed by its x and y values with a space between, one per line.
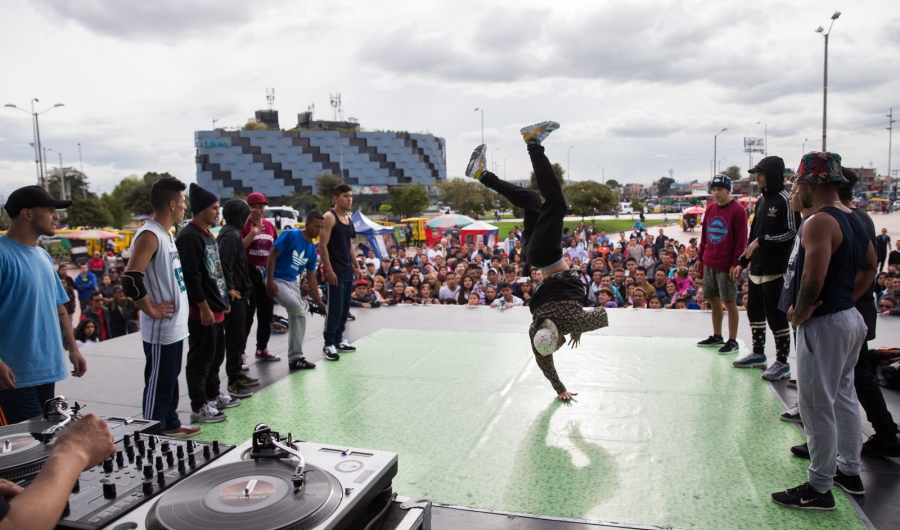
pixel 837 264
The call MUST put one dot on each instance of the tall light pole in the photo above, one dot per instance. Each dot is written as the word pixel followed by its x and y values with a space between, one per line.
pixel 715 146
pixel 482 123
pixel 62 176
pixel 803 147
pixel 825 79
pixel 766 138
pixel 568 161
pixel 720 164
pixel 494 159
pixel 214 123
pixel 602 175
pixel 36 130
pixel 80 163
pixel 890 129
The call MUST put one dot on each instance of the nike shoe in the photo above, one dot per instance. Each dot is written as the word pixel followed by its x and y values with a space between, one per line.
pixel 750 361
pixel 316 308
pixel 730 346
pixel 345 346
pixel 477 163
pixel 224 401
pixel 330 353
pixel 183 432
pixel 237 390
pixel 712 340
pixel 539 131
pixel 264 355
pixel 792 415
pixel 804 497
pixel 208 414
pixel 777 371
pixel 300 364
pixel 800 451
pixel 852 484
pixel 792 383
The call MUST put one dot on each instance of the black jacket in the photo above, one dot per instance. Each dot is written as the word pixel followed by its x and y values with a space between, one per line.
pixel 118 317
pixel 231 247
pixel 774 223
pixel 202 268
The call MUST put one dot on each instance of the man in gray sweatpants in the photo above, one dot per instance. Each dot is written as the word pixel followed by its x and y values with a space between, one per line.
pixel 292 252
pixel 838 262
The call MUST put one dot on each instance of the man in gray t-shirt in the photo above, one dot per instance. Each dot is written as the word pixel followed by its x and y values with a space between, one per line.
pixel 451 290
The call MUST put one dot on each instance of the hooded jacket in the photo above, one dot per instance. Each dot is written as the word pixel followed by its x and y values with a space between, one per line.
pixel 774 224
pixel 231 247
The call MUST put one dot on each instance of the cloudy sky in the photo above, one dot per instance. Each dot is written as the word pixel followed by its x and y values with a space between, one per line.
pixel 640 87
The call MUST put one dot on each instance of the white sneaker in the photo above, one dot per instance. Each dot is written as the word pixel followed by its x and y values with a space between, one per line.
pixel 208 414
pixel 244 365
pixel 225 401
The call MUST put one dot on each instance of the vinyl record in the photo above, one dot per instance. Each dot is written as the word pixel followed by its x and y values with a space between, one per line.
pixel 250 494
pixel 21 451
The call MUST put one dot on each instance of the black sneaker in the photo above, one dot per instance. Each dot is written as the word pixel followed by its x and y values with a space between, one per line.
pixel 712 340
pixel 792 415
pixel 804 497
pixel 801 451
pixel 852 484
pixel 792 383
pixel 729 347
pixel 246 380
pixel 878 445
pixel 237 390
pixel 301 364
pixel 345 346
pixel 350 316
pixel 330 353
pixel 316 308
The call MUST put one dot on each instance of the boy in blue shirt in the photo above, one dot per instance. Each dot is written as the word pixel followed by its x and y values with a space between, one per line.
pixel 292 252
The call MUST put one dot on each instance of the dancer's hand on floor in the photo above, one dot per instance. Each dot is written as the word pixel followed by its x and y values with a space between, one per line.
pixel 574 340
pixel 566 396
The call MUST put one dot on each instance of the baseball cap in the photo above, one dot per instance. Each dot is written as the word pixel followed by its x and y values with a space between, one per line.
pixel 360 282
pixel 395 269
pixel 546 337
pixel 256 198
pixel 31 197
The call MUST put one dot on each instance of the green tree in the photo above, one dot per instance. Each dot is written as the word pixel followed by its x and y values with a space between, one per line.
pixel 589 197
pixel 385 209
pixel 408 200
pixel 664 186
pixel 613 183
pixel 253 125
pixel 733 172
pixel 118 215
pixel 560 175
pixel 637 205
pixel 466 196
pixel 76 183
pixel 325 184
pixel 89 212
pixel 302 202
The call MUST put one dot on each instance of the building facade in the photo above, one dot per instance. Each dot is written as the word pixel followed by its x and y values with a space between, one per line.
pixel 279 163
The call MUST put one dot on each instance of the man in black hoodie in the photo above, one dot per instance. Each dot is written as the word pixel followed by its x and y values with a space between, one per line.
pixel 772 236
pixel 238 285
pixel 208 303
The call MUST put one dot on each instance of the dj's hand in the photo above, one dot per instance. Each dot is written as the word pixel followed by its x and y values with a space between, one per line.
pixel 7 377
pixel 566 396
pixel 8 489
pixel 88 438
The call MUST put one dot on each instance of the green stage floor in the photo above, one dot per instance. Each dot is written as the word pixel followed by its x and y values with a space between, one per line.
pixel 661 433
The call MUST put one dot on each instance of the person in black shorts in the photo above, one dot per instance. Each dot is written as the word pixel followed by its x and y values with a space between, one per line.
pixel 557 305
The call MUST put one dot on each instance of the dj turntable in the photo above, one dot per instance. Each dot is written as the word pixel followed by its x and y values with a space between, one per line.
pixel 272 482
pixel 25 446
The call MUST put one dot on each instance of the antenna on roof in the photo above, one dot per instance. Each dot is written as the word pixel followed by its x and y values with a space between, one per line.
pixel 336 105
pixel 311 109
pixel 270 98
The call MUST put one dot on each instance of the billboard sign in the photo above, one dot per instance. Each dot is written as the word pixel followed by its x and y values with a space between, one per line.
pixel 368 190
pixel 754 145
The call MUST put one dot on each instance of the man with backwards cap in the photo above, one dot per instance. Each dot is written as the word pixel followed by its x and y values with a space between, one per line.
pixel 557 305
pixel 32 331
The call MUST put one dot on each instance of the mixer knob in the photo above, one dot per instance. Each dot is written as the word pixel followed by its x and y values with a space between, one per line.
pixel 179 451
pixel 147 487
pixel 206 452
pixel 216 445
pixel 120 458
pixel 161 480
pixel 127 440
pixel 159 463
pixel 66 510
pixel 165 446
pixel 108 465
pixel 153 443
pixel 191 461
pixel 181 468
pixel 129 451
pixel 170 458
pixel 137 436
pixel 148 471
pixel 139 462
pixel 140 446
pixel 109 490
pixel 76 488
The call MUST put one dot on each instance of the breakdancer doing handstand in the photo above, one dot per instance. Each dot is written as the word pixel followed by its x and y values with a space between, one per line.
pixel 557 305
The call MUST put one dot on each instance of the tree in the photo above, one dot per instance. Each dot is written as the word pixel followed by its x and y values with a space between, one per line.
pixel 89 212
pixel 118 215
pixel 385 209
pixel 589 197
pixel 733 172
pixel 613 183
pixel 303 202
pixel 637 205
pixel 76 183
pixel 466 196
pixel 408 200
pixel 560 175
pixel 325 184
pixel 253 125
pixel 664 186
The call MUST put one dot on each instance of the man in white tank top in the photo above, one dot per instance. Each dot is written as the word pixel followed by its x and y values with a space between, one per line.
pixel 154 280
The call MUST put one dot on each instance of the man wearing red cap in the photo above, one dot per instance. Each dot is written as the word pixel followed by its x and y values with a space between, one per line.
pixel 259 235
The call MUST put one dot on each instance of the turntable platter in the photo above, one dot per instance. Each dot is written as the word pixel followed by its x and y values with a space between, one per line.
pixel 21 452
pixel 249 494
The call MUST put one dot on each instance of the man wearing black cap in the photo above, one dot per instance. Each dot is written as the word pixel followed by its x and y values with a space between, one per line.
pixel 208 300
pixel 722 241
pixel 32 332
pixel 771 241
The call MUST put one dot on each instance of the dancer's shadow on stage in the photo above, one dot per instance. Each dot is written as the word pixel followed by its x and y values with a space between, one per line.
pixel 560 482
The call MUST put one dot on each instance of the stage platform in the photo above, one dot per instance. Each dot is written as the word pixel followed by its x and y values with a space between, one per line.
pixel 662 433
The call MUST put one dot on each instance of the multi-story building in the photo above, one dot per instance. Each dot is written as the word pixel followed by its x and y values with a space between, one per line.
pixel 278 163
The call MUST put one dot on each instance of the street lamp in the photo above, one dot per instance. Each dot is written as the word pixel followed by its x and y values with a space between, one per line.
pixel 766 140
pixel 36 130
pixel 825 79
pixel 62 176
pixel 602 175
pixel 715 145
pixel 214 123
pixel 568 159
pixel 482 123
pixel 803 147
pixel 720 164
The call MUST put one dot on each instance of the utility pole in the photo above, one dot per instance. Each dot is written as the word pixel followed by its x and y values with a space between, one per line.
pixel 890 129
pixel 568 163
pixel 214 123
pixel 80 163
pixel 715 145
